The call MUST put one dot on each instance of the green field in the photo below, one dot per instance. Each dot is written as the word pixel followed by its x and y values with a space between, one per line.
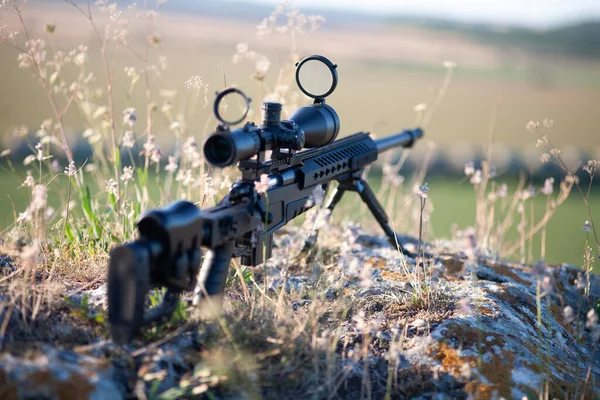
pixel 453 202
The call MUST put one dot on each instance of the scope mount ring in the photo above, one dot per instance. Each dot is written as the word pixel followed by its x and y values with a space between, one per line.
pixel 319 97
pixel 221 96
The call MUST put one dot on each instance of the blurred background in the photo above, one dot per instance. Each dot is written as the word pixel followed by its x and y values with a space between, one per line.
pixel 511 62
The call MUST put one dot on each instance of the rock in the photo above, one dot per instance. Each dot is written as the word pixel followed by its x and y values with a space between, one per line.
pixel 56 374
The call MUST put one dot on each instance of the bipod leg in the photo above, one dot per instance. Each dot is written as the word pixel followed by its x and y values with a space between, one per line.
pixel 333 200
pixel 358 184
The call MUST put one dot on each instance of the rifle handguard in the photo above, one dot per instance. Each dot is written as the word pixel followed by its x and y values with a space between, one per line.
pixel 213 274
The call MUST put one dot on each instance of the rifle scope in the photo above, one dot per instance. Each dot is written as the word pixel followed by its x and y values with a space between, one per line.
pixel 311 126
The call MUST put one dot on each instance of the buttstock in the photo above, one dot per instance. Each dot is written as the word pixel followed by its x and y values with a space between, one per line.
pixel 128 283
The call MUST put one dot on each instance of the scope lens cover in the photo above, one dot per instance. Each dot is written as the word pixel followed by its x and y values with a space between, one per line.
pixel 231 106
pixel 316 76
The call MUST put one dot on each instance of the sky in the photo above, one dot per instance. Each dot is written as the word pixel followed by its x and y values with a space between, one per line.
pixel 530 13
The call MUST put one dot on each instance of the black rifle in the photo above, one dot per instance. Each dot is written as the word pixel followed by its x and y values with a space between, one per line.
pixel 168 250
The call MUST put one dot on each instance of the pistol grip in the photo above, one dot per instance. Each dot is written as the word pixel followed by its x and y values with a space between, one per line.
pixel 128 283
pixel 213 274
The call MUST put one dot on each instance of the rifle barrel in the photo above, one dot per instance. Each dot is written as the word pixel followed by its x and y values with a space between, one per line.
pixel 403 139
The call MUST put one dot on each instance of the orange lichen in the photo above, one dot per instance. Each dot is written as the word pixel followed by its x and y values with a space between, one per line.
pixel 497 371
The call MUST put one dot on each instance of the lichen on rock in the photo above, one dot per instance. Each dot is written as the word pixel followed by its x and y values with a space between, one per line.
pixel 352 317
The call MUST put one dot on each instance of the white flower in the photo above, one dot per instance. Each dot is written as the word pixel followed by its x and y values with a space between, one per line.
pixel 24 216
pixel 184 176
pixel 172 165
pixel 548 187
pixel 469 168
pixel 156 155
pixel 127 174
pixel 262 185
pixel 477 177
pixel 70 170
pixel 422 191
pixel 29 180
pixel 420 107
pixel 209 187
pixel 112 187
pixel 129 116
pixel 39 197
pixel 587 226
pixel 316 197
pixel 128 139
pixel 449 64
pixel 225 183
pixel 502 191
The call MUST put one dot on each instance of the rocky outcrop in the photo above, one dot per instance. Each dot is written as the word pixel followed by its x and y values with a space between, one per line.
pixel 449 326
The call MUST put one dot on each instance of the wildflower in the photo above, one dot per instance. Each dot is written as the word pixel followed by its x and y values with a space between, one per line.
pixel 568 314
pixel 23 217
pixel 29 180
pixel 469 168
pixel 547 123
pixel 555 151
pixel 194 83
pixel 241 47
pixel 477 177
pixel 262 185
pixel 587 226
pixel 420 107
pixel 502 191
pixel 128 139
pixel 580 281
pixel 5 152
pixel 184 176
pixel 225 183
pixel 156 155
pixel 129 116
pixel 127 174
pixel 532 126
pixel 544 158
pixel 316 197
pixel 548 186
pixel 172 165
pixel 422 191
pixel 449 64
pixel 528 193
pixel 390 175
pixel 543 142
pixel 209 187
pixel 71 170
pixel 39 197
pixel 112 187
pixel 40 151
pixel 591 167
